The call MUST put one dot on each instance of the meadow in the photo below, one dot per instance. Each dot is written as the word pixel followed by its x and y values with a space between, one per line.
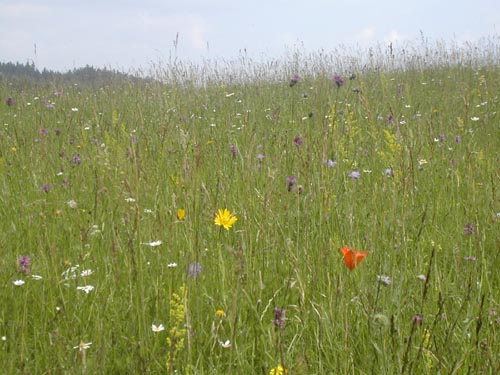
pixel 361 235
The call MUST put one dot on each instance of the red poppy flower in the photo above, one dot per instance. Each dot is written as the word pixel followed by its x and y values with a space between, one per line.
pixel 352 257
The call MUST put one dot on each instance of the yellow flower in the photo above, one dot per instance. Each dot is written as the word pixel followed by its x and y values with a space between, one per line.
pixel 220 313
pixel 278 370
pixel 225 219
pixel 181 214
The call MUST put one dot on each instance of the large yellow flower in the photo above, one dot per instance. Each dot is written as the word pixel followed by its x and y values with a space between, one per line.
pixel 225 219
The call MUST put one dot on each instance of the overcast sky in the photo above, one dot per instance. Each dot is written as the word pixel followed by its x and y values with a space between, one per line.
pixel 124 34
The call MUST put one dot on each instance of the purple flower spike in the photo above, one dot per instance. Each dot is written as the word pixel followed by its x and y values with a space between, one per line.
pixel 194 269
pixel 279 317
pixel 234 151
pixel 24 264
pixel 339 81
pixel 469 229
pixel 295 79
pixel 291 183
pixel 76 159
pixel 46 188
pixel 417 319
pixel 9 101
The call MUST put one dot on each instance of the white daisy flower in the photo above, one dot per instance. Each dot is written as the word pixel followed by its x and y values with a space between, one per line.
pixel 157 328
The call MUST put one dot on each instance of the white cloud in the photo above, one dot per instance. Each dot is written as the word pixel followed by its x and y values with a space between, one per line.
pixel 366 35
pixel 394 36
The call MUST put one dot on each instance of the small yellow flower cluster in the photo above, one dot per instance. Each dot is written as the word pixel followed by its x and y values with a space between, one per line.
pixel 177 332
pixel 278 370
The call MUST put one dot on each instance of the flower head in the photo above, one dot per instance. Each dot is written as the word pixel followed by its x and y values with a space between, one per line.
pixel 87 288
pixel 278 370
pixel 298 141
pixel 82 346
pixel 181 214
pixel 469 228
pixel 194 269
pixel 157 328
pixel 295 79
pixel 352 257
pixel 339 81
pixel 354 175
pixel 279 317
pixel 291 183
pixel 225 219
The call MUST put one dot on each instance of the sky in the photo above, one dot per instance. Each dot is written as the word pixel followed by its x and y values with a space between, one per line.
pixel 128 35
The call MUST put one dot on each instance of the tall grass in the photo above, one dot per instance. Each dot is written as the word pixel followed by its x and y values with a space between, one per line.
pixel 92 187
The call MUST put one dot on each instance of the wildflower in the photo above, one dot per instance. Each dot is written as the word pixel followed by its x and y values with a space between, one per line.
pixel 260 157
pixel 76 159
pixel 386 280
pixel 70 273
pixel 354 175
pixel 82 346
pixel 474 118
pixel 153 243
pixel 24 261
pixel 9 101
pixel 291 183
pixel 234 150
pixel 74 109
pixel 4 338
pixel 469 228
pixel 417 319
pixel 421 163
pixel 330 163
pixel 130 200
pixel 46 188
pixel 279 317
pixel 295 79
pixel 389 172
pixel 339 81
pixel 225 219
pixel 86 273
pixel 220 313
pixel 225 344
pixel 181 214
pixel 18 282
pixel 36 277
pixel 298 141
pixel 71 203
pixel 352 257
pixel 194 269
pixel 87 288
pixel 278 370
pixel 172 265
pixel 458 139
pixel 422 277
pixel 157 328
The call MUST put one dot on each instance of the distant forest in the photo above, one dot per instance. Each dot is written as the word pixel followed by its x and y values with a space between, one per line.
pixel 89 74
